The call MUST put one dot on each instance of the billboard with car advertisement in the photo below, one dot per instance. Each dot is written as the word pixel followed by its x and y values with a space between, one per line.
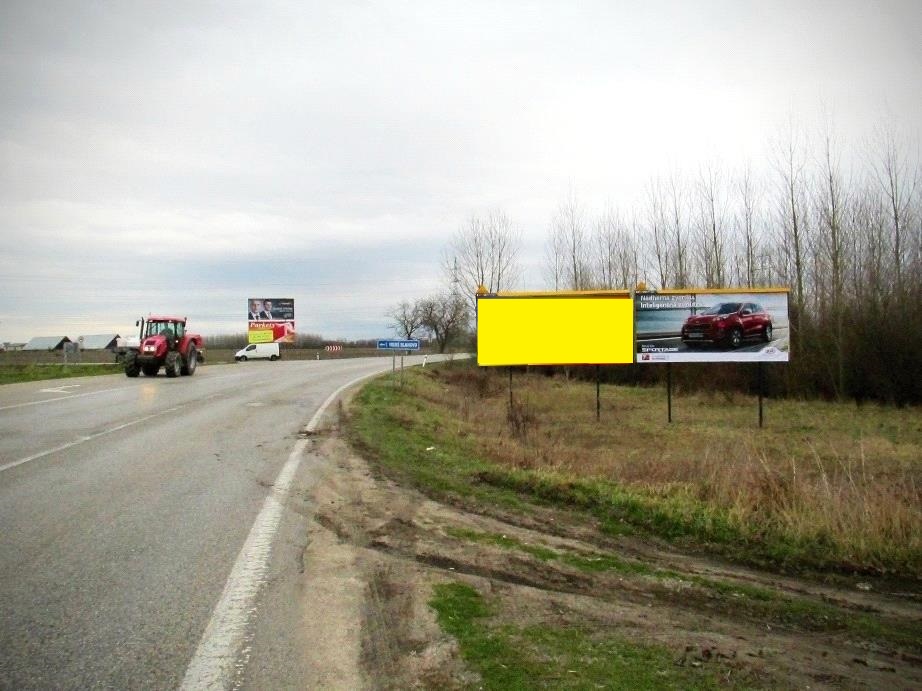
pixel 590 328
pixel 711 325
pixel 270 320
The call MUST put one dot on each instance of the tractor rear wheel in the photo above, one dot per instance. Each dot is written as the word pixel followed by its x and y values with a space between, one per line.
pixel 172 364
pixel 132 368
pixel 191 361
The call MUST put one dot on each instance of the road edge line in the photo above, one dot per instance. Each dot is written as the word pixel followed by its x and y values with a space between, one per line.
pixel 214 664
pixel 314 423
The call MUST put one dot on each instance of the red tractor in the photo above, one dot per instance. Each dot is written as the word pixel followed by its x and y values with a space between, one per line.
pixel 164 342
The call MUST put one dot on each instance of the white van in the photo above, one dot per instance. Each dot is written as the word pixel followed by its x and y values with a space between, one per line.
pixel 258 351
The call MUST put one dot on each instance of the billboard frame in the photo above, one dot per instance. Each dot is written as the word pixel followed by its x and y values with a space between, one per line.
pixel 279 327
pixel 635 297
pixel 738 291
pixel 544 353
pixel 649 352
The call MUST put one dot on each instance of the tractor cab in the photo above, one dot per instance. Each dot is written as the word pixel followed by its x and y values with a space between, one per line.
pixel 170 328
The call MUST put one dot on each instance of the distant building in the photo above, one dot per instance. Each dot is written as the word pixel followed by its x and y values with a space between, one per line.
pixel 47 343
pixel 98 341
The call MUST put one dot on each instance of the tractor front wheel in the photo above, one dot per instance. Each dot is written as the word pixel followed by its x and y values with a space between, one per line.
pixel 132 368
pixel 173 364
pixel 191 361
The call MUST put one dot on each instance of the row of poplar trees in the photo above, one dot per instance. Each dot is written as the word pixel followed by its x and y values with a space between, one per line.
pixel 840 226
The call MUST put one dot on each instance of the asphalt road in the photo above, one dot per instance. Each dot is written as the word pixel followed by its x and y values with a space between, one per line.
pixel 125 505
pixel 750 345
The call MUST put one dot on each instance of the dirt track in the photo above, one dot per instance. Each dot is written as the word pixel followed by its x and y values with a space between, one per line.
pixel 377 549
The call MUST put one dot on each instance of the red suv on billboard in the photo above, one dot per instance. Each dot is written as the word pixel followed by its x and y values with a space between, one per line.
pixel 727 324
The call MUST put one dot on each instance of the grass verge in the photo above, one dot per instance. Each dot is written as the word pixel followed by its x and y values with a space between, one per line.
pixel 11 374
pixel 560 657
pixel 739 599
pixel 453 433
pixel 419 435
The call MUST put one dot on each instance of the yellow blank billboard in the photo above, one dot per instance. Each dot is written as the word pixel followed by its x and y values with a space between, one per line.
pixel 588 328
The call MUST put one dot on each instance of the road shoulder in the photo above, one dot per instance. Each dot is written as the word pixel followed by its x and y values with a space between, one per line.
pixel 378 550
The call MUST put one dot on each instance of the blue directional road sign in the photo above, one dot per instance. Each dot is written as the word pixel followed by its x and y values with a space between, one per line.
pixel 398 345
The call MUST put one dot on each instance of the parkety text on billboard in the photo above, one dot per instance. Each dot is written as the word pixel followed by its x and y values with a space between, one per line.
pixel 270 320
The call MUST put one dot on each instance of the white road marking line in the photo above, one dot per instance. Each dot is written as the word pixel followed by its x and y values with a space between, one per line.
pixel 78 441
pixel 111 430
pixel 213 666
pixel 62 398
pixel 61 389
pixel 215 663
pixel 315 421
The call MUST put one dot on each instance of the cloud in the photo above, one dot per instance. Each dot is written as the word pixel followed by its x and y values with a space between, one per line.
pixel 168 157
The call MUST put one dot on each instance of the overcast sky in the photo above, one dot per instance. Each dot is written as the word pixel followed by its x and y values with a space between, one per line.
pixel 182 157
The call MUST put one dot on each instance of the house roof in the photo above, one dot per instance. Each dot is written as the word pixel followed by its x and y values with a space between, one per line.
pixel 46 343
pixel 97 341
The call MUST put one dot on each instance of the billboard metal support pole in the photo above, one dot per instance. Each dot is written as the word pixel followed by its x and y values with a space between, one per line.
pixel 598 401
pixel 401 369
pixel 761 387
pixel 669 391
pixel 510 388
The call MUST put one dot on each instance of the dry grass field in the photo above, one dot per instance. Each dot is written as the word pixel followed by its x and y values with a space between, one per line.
pixel 830 478
pixel 559 551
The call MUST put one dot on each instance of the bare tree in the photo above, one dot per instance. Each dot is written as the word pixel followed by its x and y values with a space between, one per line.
pixel 675 210
pixel 916 265
pixel 616 260
pixel 712 226
pixel 408 319
pixel 484 253
pixel 790 161
pixel 554 258
pixel 898 180
pixel 831 252
pixel 656 220
pixel 868 275
pixel 605 244
pixel 567 252
pixel 630 257
pixel 747 230
pixel 832 241
pixel 446 317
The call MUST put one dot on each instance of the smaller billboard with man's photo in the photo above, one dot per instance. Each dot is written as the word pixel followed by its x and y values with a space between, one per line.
pixel 271 310
pixel 729 325
pixel 270 320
